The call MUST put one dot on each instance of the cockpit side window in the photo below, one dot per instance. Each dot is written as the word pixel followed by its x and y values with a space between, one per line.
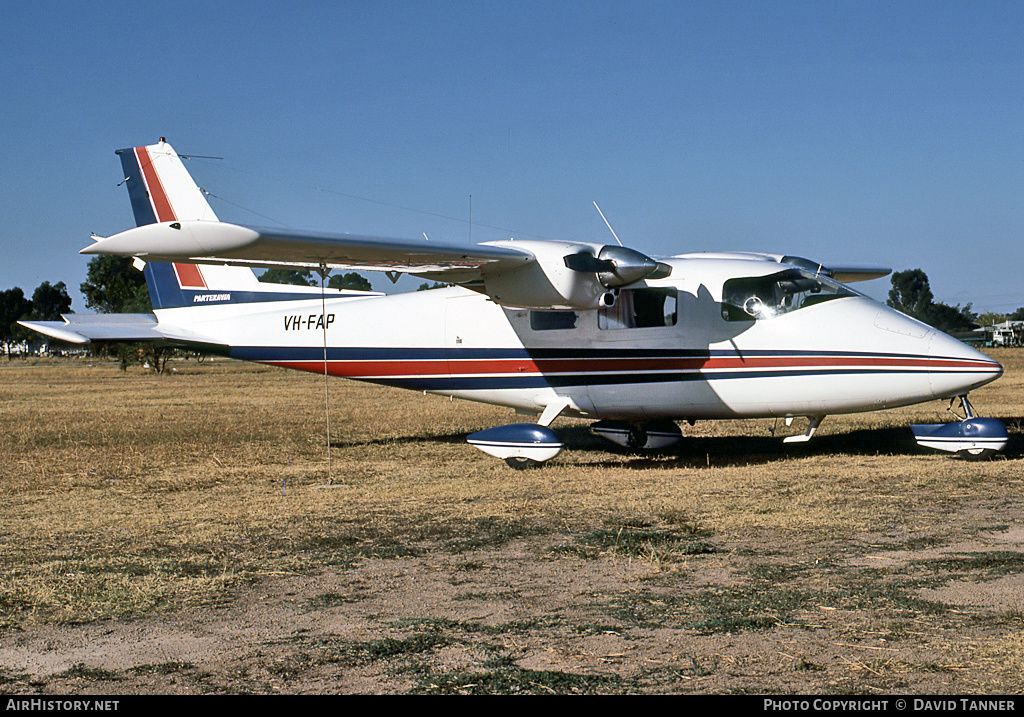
pixel 765 297
pixel 552 320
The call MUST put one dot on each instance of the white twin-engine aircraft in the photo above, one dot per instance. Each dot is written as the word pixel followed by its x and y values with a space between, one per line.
pixel 549 328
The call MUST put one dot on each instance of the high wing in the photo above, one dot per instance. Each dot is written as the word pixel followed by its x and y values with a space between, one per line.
pixel 205 242
pixel 530 273
pixel 850 274
pixel 844 274
pixel 533 273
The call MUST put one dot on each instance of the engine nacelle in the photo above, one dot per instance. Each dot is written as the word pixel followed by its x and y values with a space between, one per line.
pixel 569 275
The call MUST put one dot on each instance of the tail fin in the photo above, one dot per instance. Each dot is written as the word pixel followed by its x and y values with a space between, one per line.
pixel 162 190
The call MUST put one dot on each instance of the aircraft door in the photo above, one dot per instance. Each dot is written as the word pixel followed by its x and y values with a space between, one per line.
pixel 639 334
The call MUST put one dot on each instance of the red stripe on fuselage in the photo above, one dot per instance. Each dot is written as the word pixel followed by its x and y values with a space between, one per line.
pixel 526 367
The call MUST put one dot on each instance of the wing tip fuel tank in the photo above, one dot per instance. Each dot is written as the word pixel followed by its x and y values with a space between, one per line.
pixel 176 240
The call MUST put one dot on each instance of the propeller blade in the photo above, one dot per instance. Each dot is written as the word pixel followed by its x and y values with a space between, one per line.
pixel 588 263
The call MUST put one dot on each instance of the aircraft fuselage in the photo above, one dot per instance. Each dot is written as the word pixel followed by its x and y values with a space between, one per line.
pixel 678 348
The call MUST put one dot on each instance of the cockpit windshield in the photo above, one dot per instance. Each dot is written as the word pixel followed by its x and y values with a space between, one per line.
pixel 765 297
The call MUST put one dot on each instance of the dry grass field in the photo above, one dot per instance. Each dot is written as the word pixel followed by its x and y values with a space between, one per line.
pixel 186 533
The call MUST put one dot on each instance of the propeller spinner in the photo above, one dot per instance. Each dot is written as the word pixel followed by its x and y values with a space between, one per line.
pixel 618 266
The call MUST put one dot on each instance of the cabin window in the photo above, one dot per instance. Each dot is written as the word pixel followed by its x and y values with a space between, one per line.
pixel 552 320
pixel 640 309
pixel 765 297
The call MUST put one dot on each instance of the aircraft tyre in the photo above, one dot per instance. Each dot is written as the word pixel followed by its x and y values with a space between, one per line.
pixel 520 463
pixel 637 438
pixel 976 454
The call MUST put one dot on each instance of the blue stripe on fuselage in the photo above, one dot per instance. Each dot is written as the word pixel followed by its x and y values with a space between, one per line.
pixel 456 381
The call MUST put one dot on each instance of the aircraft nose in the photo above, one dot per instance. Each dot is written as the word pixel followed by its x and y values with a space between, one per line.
pixel 956 368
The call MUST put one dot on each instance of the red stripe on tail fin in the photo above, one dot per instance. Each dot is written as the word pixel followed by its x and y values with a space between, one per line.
pixel 157 194
pixel 189 276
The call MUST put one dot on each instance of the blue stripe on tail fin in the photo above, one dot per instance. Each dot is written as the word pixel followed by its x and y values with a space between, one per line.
pixel 137 193
pixel 164 290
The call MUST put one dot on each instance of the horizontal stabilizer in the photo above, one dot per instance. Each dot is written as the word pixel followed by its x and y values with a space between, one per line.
pixel 100 328
pixel 86 328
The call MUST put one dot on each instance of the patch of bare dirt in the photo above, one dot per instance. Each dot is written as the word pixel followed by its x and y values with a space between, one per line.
pixel 535 615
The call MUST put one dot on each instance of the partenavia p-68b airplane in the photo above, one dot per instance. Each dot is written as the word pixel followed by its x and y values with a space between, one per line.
pixel 549 328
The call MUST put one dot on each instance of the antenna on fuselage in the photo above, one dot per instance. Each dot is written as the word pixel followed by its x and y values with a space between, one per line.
pixel 607 224
pixel 324 271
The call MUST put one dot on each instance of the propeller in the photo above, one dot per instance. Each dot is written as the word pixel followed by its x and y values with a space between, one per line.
pixel 617 266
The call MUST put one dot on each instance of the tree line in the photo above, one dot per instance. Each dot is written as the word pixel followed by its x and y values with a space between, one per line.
pixel 48 302
pixel 911 293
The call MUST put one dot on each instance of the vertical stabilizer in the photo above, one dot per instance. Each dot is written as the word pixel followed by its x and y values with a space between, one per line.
pixel 160 188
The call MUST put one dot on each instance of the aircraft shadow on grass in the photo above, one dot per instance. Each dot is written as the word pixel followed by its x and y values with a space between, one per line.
pixel 726 450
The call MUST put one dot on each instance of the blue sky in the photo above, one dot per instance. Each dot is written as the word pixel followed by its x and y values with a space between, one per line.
pixel 882 133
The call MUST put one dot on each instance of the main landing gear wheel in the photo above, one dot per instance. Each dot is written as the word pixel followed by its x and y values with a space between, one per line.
pixel 976 454
pixel 636 437
pixel 520 463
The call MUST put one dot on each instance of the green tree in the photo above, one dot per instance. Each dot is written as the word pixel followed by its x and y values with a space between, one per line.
pixel 951 319
pixel 350 280
pixel 990 318
pixel 113 285
pixel 13 307
pixel 911 293
pixel 288 276
pixel 50 301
